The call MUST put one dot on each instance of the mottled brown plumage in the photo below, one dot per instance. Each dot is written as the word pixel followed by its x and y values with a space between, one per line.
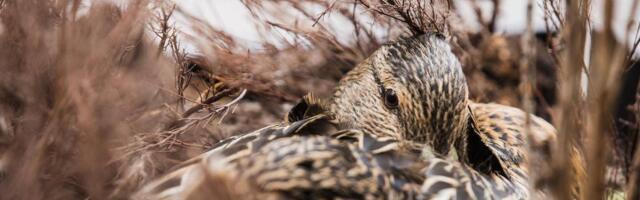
pixel 430 87
pixel 399 125
pixel 307 157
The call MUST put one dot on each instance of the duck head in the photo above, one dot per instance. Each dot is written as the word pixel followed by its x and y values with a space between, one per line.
pixel 412 89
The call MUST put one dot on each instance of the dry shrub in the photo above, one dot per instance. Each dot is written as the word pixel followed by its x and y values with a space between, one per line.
pixel 73 88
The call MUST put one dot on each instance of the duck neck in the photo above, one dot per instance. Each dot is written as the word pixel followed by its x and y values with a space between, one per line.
pixel 448 138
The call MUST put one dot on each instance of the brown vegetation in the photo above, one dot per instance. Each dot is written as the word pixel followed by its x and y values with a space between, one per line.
pixel 97 100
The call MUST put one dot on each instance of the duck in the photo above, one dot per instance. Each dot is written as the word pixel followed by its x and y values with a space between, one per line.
pixel 399 125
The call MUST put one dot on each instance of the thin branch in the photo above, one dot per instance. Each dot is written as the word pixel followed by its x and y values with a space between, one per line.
pixel 494 15
pixel 569 90
pixel 208 101
pixel 527 69
pixel 382 12
pixel 606 66
pixel 323 13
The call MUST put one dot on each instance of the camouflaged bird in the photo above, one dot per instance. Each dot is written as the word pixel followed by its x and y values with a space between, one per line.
pixel 398 126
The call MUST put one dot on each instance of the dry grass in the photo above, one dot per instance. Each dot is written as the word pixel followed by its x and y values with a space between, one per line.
pixel 96 101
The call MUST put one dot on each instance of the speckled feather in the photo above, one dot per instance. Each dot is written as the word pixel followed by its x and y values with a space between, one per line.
pixel 282 162
pixel 300 160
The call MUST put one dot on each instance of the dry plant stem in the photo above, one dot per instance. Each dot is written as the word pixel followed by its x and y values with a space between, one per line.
pixel 414 27
pixel 210 100
pixel 478 12
pixel 496 12
pixel 378 11
pixel 315 22
pixel 183 72
pixel 570 98
pixel 551 13
pixel 548 19
pixel 633 185
pixel 169 137
pixel 526 70
pixel 634 48
pixel 405 18
pixel 606 67
pixel 164 31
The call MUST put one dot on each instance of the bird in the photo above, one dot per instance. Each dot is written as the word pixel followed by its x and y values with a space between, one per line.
pixel 399 125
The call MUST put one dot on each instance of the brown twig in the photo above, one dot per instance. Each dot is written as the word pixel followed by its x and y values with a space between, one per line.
pixel 633 185
pixel 606 66
pixel 326 10
pixel 496 11
pixel 569 100
pixel 219 95
pixel 634 49
pixel 381 12
pixel 549 32
pixel 527 71
pixel 164 31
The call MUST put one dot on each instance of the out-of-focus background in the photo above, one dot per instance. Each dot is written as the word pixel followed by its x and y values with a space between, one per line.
pixel 97 98
pixel 235 18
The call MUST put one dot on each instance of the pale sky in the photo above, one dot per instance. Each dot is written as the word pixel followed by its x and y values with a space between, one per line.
pixel 232 16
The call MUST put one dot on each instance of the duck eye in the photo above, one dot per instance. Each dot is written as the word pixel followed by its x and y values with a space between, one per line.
pixel 390 98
